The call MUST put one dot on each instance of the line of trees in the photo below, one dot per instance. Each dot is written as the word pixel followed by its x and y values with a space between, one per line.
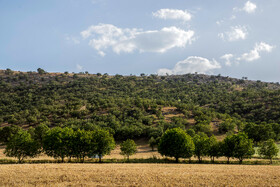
pixel 57 143
pixel 80 143
pixel 178 144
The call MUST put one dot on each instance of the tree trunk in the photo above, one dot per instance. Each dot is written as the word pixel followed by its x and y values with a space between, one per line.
pixel 128 158
pixel 270 160
pixel 62 159
pixel 190 160
pixel 100 158
pixel 240 161
pixel 228 160
pixel 20 160
pixel 177 159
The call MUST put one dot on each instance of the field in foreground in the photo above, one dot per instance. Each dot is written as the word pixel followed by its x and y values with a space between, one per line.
pixel 138 175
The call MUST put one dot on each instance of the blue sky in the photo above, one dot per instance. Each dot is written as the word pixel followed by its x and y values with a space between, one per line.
pixel 234 38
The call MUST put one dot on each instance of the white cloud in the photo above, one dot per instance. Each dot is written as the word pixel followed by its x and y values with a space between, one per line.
pixel 254 54
pixel 235 33
pixel 173 14
pixel 227 58
pixel 249 7
pixel 220 22
pixel 72 39
pixel 191 65
pixel 105 36
pixel 79 67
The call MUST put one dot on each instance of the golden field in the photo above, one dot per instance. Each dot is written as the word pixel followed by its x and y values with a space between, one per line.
pixel 138 175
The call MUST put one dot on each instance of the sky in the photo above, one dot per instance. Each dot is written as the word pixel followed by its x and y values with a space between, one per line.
pixel 236 38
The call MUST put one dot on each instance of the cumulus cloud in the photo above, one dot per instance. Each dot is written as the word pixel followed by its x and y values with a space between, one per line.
pixel 254 54
pixel 173 14
pixel 235 33
pixel 249 7
pixel 126 40
pixel 227 58
pixel 191 65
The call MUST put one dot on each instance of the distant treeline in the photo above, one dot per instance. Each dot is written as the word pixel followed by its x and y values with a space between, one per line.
pixel 80 144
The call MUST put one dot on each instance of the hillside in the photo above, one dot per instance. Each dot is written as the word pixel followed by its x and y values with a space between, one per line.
pixel 140 106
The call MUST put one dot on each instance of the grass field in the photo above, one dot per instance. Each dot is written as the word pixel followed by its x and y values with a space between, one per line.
pixel 138 175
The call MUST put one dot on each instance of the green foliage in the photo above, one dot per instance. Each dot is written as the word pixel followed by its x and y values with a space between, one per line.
pixel 227 126
pixel 104 143
pixel 202 145
pixel 152 143
pixel 263 131
pixel 21 145
pixel 128 148
pixel 268 149
pixel 176 143
pixel 132 107
pixel 83 144
pixel 7 132
pixel 238 146
pixel 214 148
pixel 243 146
pixel 191 132
pixel 39 132
pixel 227 147
pixel 41 71
pixel 57 142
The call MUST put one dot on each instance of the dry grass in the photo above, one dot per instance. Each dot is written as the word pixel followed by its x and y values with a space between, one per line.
pixel 138 175
pixel 143 151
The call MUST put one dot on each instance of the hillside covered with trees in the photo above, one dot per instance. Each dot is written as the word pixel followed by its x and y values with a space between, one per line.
pixel 141 106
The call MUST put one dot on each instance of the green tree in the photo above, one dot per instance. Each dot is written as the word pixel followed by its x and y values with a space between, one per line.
pixel 128 148
pixel 202 144
pixel 214 148
pixel 41 71
pixel 83 144
pixel 176 143
pixel 152 143
pixel 268 149
pixel 8 131
pixel 57 142
pixel 104 143
pixel 21 145
pixel 227 147
pixel 40 131
pixel 243 146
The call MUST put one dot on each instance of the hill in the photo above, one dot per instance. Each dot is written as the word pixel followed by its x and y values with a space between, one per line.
pixel 140 106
